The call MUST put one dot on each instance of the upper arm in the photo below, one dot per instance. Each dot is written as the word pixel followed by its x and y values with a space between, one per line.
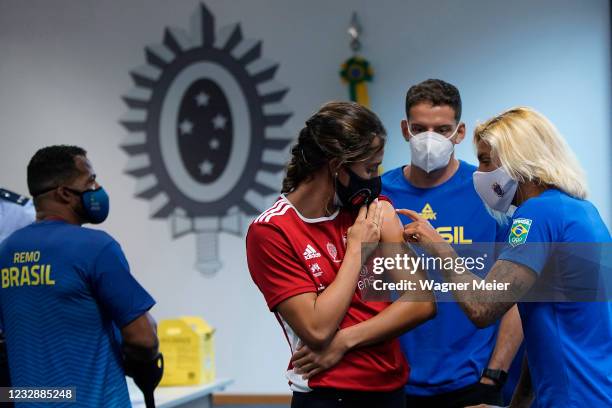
pixel 392 234
pixel 114 287
pixel 392 240
pixel 529 237
pixel 490 305
pixel 519 279
pixel 391 229
pixel 297 312
pixel 284 282
pixel 274 267
pixel 526 249
pixel 141 332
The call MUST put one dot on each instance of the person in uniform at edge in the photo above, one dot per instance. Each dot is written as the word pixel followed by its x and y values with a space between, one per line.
pixel 472 368
pixel 16 211
pixel 65 287
pixel 304 254
pixel 525 162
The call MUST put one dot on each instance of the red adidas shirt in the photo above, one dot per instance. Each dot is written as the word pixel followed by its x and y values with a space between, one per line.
pixel 288 255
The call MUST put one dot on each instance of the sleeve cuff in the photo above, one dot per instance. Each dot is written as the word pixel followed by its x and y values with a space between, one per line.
pixel 276 300
pixel 135 314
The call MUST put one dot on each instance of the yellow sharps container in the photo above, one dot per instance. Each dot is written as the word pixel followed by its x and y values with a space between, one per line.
pixel 187 344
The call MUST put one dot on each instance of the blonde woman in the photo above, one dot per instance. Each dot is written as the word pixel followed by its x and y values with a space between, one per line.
pixel 526 163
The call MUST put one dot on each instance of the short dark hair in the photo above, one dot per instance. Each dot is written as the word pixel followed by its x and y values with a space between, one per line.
pixel 52 166
pixel 436 92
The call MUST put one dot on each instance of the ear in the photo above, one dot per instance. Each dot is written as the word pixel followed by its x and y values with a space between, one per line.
pixel 343 176
pixel 460 133
pixel 404 125
pixel 334 165
pixel 63 195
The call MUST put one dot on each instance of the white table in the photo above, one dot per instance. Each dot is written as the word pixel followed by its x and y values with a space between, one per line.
pixel 199 396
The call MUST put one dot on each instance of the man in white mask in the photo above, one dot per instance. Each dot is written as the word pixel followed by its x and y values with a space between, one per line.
pixel 473 367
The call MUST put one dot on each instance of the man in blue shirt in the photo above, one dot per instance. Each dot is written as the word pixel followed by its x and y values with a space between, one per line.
pixel 65 289
pixel 472 368
pixel 553 261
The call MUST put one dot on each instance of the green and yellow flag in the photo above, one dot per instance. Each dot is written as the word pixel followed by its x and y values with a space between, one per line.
pixel 356 72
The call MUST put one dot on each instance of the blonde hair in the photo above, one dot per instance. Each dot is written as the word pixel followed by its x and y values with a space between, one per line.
pixel 530 148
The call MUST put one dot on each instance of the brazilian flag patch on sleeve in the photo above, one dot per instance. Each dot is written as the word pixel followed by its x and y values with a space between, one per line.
pixel 519 231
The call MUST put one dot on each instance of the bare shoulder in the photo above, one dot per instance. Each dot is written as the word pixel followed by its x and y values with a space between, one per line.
pixel 386 204
pixel 392 228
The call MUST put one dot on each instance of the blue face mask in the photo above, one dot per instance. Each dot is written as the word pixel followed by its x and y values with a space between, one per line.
pixel 95 203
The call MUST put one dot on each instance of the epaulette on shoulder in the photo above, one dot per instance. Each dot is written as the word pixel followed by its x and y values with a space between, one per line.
pixel 6 195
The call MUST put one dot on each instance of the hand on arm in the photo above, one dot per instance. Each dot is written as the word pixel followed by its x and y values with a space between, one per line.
pixel 396 319
pixel 403 314
pixel 315 319
pixel 310 362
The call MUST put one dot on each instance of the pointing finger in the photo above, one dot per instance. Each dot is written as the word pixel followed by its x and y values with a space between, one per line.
pixel 413 215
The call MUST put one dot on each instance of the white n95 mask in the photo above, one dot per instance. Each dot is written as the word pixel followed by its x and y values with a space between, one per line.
pixel 496 188
pixel 430 150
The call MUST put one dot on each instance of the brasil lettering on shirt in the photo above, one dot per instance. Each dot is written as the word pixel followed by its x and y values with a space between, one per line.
pixel 451 234
pixel 32 274
pixel 454 234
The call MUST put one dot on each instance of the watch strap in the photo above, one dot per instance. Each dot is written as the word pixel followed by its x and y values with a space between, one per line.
pixel 496 375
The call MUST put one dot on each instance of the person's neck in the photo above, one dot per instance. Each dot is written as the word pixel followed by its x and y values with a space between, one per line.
pixel 528 190
pixel 421 179
pixel 58 214
pixel 313 198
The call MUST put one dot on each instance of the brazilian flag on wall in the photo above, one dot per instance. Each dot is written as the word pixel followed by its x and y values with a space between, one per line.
pixel 355 72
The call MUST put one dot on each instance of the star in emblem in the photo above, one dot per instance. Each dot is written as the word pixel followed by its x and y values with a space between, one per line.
pixel 214 144
pixel 186 127
pixel 219 121
pixel 202 99
pixel 206 167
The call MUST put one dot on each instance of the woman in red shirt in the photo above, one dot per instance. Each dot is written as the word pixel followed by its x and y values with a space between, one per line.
pixel 305 255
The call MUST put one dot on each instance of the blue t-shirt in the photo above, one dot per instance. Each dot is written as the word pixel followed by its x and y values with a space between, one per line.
pixel 568 344
pixel 63 289
pixel 448 352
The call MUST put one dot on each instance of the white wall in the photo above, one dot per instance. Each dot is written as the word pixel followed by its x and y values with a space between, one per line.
pixel 64 65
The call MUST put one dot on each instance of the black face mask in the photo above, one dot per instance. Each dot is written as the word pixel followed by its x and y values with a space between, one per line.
pixel 359 191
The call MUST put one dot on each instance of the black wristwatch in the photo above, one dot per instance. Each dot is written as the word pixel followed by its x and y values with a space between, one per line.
pixel 499 377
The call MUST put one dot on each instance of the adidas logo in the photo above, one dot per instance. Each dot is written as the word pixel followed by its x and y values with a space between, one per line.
pixel 310 253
